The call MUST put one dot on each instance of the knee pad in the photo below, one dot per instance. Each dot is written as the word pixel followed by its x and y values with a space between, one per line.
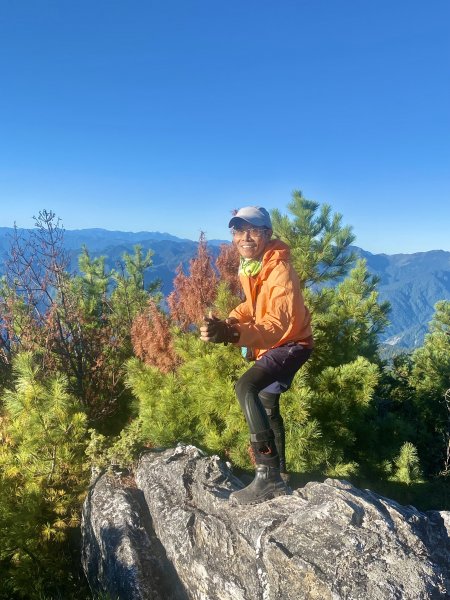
pixel 271 403
pixel 272 413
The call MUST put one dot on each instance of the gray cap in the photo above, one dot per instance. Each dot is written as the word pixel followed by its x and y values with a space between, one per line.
pixel 255 215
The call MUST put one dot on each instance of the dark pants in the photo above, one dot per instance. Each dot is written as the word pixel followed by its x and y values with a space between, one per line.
pixel 271 403
pixel 259 389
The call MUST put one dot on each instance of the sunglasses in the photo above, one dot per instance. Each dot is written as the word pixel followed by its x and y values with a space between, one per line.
pixel 253 231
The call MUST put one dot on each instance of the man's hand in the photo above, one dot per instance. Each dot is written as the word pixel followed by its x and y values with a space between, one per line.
pixel 219 331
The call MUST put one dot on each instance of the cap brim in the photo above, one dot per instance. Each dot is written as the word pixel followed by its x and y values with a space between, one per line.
pixel 235 221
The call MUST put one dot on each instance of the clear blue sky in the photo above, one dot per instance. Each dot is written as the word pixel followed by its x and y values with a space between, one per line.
pixel 165 115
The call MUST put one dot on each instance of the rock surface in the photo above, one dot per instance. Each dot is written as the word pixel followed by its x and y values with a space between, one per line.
pixel 121 555
pixel 177 537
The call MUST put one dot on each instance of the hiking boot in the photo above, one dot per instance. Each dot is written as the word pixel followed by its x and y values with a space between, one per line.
pixel 283 471
pixel 266 485
pixel 285 476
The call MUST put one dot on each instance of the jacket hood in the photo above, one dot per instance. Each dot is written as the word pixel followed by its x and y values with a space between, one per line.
pixel 276 251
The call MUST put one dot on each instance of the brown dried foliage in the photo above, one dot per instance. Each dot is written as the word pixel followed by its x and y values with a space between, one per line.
pixel 152 339
pixel 227 264
pixel 194 294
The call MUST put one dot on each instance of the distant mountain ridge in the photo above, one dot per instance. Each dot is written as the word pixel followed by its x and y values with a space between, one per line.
pixel 412 283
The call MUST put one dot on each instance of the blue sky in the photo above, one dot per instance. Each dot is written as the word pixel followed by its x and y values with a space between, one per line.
pixel 164 116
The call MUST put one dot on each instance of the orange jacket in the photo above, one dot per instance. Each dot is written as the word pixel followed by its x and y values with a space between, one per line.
pixel 273 312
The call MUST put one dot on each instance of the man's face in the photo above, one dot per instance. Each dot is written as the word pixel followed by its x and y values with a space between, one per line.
pixel 251 241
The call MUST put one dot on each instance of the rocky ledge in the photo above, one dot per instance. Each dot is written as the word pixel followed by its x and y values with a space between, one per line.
pixel 171 533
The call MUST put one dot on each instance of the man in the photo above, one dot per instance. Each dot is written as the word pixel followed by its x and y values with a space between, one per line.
pixel 273 326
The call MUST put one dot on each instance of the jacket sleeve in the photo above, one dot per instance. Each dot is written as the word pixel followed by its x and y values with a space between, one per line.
pixel 242 312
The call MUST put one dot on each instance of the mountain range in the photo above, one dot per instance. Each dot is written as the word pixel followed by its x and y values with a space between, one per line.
pixel 412 283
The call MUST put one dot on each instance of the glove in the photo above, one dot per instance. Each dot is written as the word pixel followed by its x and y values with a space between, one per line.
pixel 218 331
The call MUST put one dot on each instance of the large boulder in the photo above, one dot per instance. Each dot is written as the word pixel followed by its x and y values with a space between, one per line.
pixel 176 535
pixel 121 555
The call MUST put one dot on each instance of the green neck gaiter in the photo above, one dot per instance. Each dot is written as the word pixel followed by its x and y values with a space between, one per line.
pixel 249 266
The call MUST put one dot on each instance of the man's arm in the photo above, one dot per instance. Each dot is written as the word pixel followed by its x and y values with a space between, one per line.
pixel 242 313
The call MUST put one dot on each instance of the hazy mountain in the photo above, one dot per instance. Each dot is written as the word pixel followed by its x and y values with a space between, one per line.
pixel 169 251
pixel 412 283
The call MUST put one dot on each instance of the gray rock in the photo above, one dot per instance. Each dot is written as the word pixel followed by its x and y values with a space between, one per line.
pixel 121 555
pixel 326 541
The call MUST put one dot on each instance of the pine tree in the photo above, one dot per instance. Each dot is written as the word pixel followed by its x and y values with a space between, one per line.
pixel 43 475
pixel 335 389
pixel 196 403
pixel 319 243
pixel 430 379
pixel 78 324
pixel 407 465
pixel 396 419
pixel 130 293
pixel 431 370
pixel 347 318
